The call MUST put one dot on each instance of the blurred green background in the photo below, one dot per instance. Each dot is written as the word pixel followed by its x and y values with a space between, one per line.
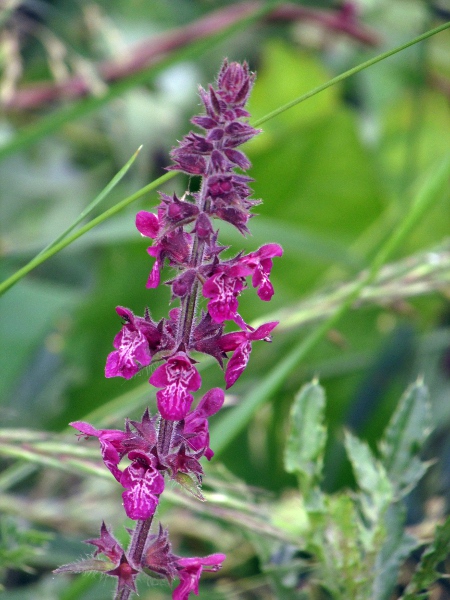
pixel 335 173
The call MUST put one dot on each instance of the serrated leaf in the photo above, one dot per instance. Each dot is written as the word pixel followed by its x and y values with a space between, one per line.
pixel 190 484
pixel 371 477
pixel 396 548
pixel 307 435
pixel 426 573
pixel 404 437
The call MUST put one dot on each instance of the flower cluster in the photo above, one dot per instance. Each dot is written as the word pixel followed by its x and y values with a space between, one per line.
pixel 170 444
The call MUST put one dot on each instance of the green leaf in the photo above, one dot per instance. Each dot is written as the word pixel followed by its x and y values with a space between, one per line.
pixel 396 548
pixel 350 72
pixel 426 573
pixel 404 437
pixel 190 484
pixel 286 73
pixel 307 436
pixel 83 566
pixel 371 477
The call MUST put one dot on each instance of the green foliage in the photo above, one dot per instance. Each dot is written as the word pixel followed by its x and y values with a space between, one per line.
pixel 426 573
pixel 404 437
pixel 353 168
pixel 19 546
pixel 357 538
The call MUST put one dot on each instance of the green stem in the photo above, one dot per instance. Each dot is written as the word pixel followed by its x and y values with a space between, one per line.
pixel 349 73
pixel 55 248
pixel 111 185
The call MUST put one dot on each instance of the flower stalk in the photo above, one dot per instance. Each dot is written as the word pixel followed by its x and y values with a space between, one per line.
pixel 170 444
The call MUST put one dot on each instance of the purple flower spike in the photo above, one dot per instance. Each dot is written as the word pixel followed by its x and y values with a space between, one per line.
pixel 185 238
pixel 134 344
pixel 190 570
pixel 178 377
pixel 241 343
pixel 143 484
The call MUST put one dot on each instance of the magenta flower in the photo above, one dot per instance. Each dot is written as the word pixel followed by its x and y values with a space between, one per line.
pixel 184 461
pixel 259 264
pixel 134 345
pixel 154 278
pixel 223 290
pixel 112 444
pixel 143 484
pixel 142 481
pixel 177 376
pixel 240 342
pixel 176 246
pixel 147 224
pixel 228 280
pixel 190 570
pixel 195 428
pixel 175 211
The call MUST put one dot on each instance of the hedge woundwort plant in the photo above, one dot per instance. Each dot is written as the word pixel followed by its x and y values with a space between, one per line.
pixel 171 443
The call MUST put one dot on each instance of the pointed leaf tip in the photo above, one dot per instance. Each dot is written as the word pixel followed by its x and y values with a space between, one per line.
pixel 405 436
pixel 307 435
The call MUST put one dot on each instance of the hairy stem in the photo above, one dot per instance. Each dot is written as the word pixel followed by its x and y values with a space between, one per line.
pixel 135 551
pixel 165 436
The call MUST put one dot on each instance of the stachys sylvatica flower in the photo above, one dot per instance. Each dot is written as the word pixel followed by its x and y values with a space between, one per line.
pixel 206 288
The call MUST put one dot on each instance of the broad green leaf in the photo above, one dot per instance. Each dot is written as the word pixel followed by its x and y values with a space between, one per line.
pixel 350 72
pixel 371 477
pixel 404 437
pixel 285 73
pixel 426 573
pixel 307 436
pixel 395 550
